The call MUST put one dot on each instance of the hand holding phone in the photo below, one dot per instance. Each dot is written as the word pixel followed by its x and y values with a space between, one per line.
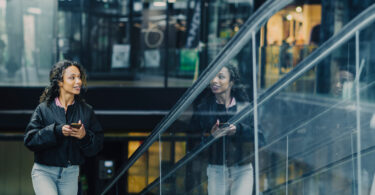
pixel 222 129
pixel 76 125
pixel 79 130
pixel 66 130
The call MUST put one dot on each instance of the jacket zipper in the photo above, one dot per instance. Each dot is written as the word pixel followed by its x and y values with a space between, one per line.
pixel 69 141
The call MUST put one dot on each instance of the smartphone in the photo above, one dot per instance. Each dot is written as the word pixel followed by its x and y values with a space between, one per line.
pixel 76 125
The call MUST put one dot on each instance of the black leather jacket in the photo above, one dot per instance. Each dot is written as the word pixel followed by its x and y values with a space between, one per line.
pixel 231 149
pixel 44 134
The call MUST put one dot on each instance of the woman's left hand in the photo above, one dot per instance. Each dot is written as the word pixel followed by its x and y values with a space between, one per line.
pixel 217 132
pixel 231 130
pixel 79 133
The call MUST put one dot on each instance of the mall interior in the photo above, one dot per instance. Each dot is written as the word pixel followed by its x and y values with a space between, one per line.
pixel 304 67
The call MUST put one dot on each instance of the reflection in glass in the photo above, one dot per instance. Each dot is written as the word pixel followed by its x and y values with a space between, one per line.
pixel 26 42
pixel 229 167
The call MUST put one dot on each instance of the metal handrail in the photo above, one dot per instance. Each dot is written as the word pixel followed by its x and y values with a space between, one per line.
pixel 230 50
pixel 347 32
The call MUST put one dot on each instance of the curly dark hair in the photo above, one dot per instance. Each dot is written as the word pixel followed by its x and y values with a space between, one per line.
pixel 55 76
pixel 238 89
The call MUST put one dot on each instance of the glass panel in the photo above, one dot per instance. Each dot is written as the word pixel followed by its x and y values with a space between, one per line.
pixel 288 37
pixel 26 42
pixel 185 68
pixel 183 60
pixel 145 170
pixel 190 176
pixel 179 140
pixel 310 125
pixel 224 19
pixel 151 33
pixel 118 148
pixel 295 31
pixel 366 82
pixel 155 190
pixel 69 35
pixel 222 153
pixel 272 168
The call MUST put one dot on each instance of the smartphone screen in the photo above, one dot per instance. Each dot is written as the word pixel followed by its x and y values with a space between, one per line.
pixel 76 125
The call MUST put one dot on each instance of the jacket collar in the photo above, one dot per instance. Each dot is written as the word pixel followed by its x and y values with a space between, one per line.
pixel 58 103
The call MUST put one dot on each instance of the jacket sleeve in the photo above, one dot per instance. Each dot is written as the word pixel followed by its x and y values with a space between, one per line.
pixel 196 125
pixel 38 136
pixel 246 132
pixel 92 143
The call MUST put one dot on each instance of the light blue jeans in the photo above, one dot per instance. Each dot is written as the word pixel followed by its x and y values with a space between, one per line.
pixel 50 180
pixel 234 180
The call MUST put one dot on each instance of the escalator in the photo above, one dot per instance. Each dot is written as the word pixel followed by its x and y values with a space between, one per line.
pixel 315 142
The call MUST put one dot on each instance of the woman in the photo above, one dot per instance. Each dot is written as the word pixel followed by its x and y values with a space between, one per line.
pixel 230 170
pixel 59 147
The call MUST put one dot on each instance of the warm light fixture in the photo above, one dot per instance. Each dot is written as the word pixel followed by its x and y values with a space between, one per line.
pixel 289 17
pixel 299 9
pixel 138 6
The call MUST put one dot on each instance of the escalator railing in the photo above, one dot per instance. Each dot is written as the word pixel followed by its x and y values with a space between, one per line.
pixel 232 48
pixel 323 106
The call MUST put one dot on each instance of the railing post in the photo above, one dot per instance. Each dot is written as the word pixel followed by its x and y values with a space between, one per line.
pixel 358 110
pixel 160 164
pixel 287 165
pixel 255 98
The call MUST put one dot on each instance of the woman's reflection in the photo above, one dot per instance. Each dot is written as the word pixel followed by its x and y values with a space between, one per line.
pixel 230 169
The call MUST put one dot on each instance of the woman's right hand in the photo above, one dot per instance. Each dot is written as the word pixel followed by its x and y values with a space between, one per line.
pixel 66 130
pixel 216 131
